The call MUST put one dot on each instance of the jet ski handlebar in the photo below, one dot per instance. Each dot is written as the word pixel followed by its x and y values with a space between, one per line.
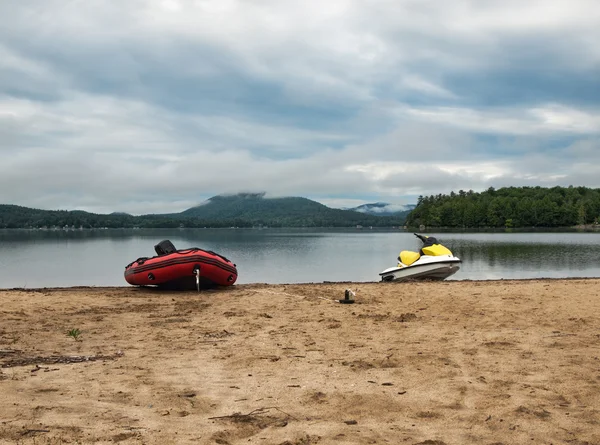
pixel 427 240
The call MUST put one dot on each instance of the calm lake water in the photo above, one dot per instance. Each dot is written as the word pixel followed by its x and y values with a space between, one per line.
pixel 98 257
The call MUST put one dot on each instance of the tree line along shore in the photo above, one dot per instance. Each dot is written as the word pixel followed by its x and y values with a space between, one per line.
pixel 509 207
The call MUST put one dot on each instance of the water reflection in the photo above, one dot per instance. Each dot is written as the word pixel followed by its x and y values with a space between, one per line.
pixel 526 255
pixel 98 257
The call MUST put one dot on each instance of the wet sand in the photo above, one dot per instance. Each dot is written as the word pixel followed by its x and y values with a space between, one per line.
pixel 456 362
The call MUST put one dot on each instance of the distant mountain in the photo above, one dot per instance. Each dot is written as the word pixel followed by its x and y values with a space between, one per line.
pixel 384 209
pixel 254 206
pixel 282 212
pixel 240 210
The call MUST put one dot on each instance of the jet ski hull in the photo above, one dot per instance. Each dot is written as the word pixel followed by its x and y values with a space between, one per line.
pixel 439 270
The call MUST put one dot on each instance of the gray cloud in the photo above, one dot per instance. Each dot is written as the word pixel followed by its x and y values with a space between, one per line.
pixel 155 106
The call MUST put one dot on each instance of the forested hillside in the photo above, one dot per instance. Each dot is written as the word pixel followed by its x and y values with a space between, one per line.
pixel 509 207
pixel 255 209
pixel 13 216
pixel 242 210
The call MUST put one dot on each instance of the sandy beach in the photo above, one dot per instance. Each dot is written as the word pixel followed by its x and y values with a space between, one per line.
pixel 456 362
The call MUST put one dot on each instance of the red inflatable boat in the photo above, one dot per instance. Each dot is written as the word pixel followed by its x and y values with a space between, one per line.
pixel 181 269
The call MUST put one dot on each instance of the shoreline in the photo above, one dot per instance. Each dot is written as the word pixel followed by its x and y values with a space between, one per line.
pixel 310 283
pixel 426 229
pixel 450 362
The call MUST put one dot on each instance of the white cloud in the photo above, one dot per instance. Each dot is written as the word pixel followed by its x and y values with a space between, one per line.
pixel 424 86
pixel 561 118
pixel 543 119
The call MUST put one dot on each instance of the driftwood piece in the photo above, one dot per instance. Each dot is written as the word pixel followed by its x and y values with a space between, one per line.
pixel 54 359
pixel 245 417
pixel 33 431
pixel 6 352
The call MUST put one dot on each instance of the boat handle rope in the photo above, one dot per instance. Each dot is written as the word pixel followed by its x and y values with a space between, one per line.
pixel 195 249
pixel 142 260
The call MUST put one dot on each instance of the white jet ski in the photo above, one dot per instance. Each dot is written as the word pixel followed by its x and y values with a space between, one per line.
pixel 433 262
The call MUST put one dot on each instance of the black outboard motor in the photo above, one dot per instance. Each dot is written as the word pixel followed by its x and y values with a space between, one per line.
pixel 165 247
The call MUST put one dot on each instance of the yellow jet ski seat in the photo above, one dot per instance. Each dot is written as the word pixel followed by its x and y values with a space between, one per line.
pixel 407 257
pixel 435 250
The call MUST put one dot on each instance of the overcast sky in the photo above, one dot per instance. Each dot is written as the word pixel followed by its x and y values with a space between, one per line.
pixel 151 106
